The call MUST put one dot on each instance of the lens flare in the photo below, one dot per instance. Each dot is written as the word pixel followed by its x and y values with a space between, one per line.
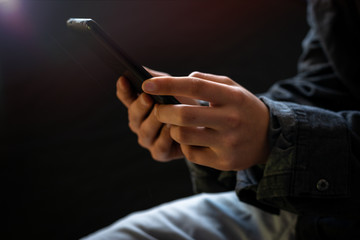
pixel 8 6
pixel 13 18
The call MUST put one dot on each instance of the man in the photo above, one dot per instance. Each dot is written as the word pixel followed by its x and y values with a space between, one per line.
pixel 293 151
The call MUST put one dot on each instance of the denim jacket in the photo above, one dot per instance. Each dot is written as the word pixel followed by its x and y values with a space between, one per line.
pixel 314 131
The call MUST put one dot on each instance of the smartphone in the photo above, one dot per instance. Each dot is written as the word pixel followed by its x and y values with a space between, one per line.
pixel 91 34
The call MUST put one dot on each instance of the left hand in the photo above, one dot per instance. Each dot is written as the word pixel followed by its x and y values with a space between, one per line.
pixel 229 134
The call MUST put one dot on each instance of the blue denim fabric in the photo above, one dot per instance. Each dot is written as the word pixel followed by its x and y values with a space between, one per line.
pixel 313 167
pixel 218 216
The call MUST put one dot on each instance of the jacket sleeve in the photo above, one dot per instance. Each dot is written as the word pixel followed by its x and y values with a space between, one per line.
pixel 314 165
pixel 206 179
pixel 314 129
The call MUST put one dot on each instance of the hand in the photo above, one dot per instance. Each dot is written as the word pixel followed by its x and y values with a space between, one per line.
pixel 229 134
pixel 152 134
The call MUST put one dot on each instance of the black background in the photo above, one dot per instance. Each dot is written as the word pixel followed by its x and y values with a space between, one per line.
pixel 69 163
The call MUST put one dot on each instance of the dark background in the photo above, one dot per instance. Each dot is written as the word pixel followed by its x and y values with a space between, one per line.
pixel 69 164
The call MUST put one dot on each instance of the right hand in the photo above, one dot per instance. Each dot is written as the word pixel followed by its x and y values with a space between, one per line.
pixel 152 134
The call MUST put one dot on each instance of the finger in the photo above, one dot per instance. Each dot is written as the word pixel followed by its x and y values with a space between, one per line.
pixel 198 136
pixel 195 88
pixel 215 78
pixel 189 115
pixel 139 110
pixel 206 157
pixel 124 92
pixel 149 130
pixel 200 155
pixel 165 148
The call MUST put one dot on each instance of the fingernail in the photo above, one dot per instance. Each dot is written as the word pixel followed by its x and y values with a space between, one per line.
pixel 149 86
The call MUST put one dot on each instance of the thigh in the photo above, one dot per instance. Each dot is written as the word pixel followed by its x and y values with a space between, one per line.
pixel 203 216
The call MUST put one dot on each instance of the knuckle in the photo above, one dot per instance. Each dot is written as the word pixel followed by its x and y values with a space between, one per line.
pixel 231 142
pixel 227 80
pixel 189 154
pixel 224 78
pixel 161 150
pixel 195 74
pixel 155 155
pixel 239 95
pixel 159 153
pixel 233 120
pixel 143 137
pixel 196 86
pixel 159 157
pixel 132 127
pixel 129 113
pixel 140 142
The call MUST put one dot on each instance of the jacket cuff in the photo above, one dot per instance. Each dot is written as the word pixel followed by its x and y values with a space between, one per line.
pixel 206 179
pixel 304 141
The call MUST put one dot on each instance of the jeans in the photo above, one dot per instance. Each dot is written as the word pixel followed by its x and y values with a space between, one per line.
pixel 203 216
